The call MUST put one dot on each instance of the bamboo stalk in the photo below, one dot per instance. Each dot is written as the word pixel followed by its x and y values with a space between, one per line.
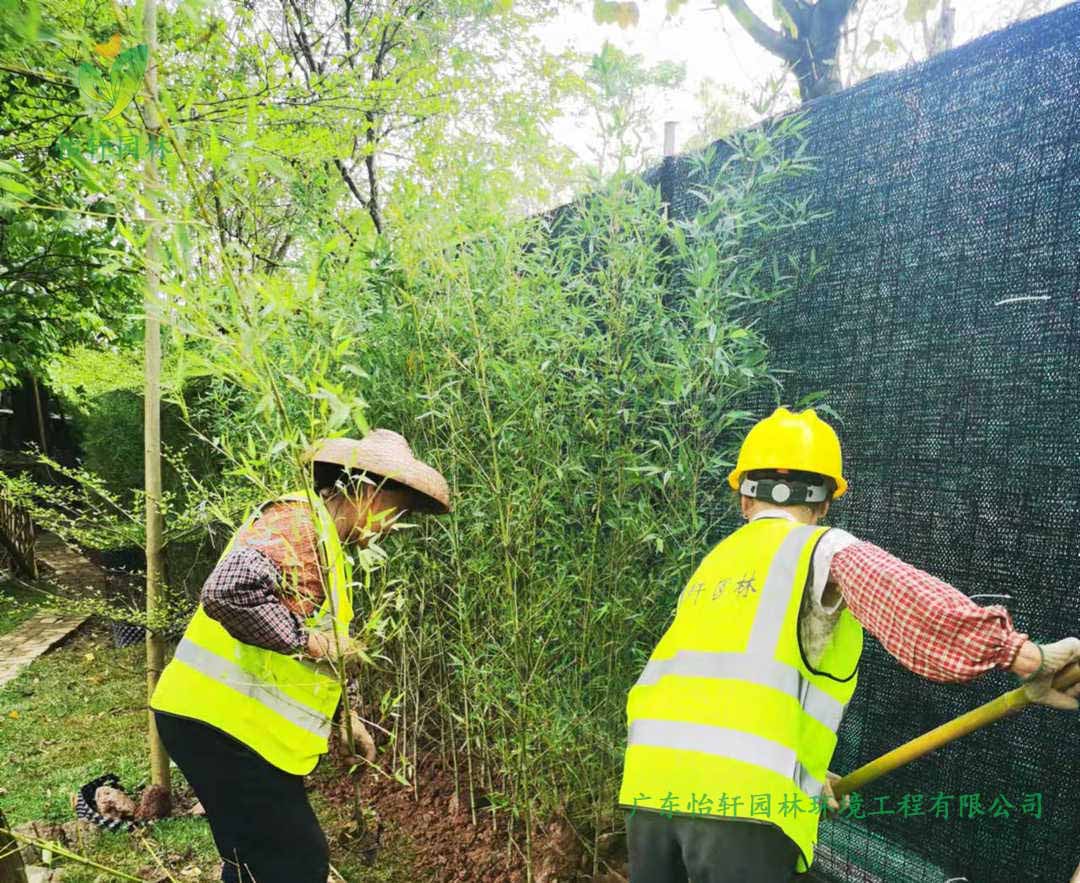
pixel 1005 705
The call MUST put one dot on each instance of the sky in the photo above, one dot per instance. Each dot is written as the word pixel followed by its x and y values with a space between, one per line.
pixel 711 44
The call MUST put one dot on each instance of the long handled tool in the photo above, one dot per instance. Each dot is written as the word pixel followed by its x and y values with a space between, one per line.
pixel 1005 705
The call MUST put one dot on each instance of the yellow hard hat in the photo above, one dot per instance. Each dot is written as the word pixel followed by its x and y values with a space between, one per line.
pixel 786 440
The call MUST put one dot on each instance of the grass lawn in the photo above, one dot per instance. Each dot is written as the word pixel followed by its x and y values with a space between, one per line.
pixel 18 602
pixel 80 711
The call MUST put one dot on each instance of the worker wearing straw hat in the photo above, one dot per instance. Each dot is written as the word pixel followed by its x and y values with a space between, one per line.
pixel 733 721
pixel 245 707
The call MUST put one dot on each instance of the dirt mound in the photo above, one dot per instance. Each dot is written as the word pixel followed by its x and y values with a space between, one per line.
pixel 448 847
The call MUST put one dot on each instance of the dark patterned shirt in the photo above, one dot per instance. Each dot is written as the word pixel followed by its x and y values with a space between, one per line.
pixel 243 593
pixel 285 533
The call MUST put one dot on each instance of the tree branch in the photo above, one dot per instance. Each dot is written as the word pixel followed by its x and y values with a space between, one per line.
pixel 837 8
pixel 36 76
pixel 765 36
pixel 796 9
pixel 350 183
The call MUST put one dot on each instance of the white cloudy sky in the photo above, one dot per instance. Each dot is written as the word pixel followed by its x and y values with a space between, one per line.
pixel 712 44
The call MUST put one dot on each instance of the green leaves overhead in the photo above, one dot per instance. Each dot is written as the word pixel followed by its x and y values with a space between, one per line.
pixel 13 181
pixel 917 10
pixel 106 97
pixel 623 14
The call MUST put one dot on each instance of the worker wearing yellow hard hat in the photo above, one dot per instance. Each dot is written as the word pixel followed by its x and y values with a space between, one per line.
pixel 733 721
pixel 795 442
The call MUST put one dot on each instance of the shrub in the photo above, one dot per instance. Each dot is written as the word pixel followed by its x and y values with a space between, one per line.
pixel 578 379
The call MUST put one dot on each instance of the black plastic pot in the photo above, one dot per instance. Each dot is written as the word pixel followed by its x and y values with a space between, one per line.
pixel 127 633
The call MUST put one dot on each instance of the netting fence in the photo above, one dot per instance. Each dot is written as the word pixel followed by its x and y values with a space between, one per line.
pixel 944 332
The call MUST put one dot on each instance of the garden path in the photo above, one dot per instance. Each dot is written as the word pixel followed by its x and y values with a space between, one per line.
pixel 46 629
pixel 34 637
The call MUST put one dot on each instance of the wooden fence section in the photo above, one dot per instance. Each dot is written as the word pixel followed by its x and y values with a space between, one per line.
pixel 17 537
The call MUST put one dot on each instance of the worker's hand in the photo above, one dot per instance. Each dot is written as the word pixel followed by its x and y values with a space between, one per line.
pixel 345 650
pixel 362 747
pixel 1039 686
pixel 831 802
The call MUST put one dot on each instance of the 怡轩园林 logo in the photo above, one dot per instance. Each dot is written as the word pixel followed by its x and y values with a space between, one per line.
pixel 107 85
pixel 106 95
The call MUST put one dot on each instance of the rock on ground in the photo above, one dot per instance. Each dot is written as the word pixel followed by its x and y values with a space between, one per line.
pixel 114 803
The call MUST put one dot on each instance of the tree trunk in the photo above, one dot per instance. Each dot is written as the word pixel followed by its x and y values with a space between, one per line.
pixel 12 869
pixel 155 643
pixel 939 37
pixel 43 439
pixel 39 412
pixel 808 42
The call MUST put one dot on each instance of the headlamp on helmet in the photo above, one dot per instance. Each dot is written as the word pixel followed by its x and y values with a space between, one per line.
pixel 787 488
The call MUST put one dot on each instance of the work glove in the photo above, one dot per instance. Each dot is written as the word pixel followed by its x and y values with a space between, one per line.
pixel 362 747
pixel 831 802
pixel 346 651
pixel 1038 687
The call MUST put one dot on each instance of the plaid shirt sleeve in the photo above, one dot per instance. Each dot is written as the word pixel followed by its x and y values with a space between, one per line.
pixel 242 594
pixel 930 627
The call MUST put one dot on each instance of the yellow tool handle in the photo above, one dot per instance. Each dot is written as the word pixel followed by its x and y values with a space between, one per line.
pixel 1005 705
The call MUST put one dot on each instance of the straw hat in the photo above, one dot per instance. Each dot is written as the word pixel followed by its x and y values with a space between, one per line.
pixel 384 453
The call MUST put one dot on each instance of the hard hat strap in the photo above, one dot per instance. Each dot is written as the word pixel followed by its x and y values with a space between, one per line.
pixel 783 492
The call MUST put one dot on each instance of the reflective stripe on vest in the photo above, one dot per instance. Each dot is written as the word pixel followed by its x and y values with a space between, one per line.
pixel 768 622
pixel 247 684
pixel 723 741
pixel 758 669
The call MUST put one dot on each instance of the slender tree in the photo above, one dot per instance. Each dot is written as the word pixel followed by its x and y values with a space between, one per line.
pixel 155 644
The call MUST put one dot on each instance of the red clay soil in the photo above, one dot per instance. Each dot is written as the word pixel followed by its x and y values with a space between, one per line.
pixel 447 846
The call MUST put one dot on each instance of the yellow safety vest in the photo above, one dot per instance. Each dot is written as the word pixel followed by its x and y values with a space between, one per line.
pixel 728 718
pixel 279 705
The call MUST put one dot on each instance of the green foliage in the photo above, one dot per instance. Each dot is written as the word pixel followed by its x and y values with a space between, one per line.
pixel 785 19
pixel 66 278
pixel 624 14
pixel 917 10
pixel 103 392
pixel 57 288
pixel 107 96
pixel 581 387
pixel 620 85
pixel 18 602
pixel 81 510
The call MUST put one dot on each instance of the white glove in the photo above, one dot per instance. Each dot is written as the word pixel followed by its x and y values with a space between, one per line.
pixel 363 745
pixel 831 802
pixel 1039 686
pixel 346 651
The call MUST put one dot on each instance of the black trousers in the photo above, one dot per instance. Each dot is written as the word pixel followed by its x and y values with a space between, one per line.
pixel 260 817
pixel 702 850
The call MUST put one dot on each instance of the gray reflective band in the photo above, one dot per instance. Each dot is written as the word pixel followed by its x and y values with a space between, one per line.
pixel 235 678
pixel 808 783
pixel 763 670
pixel 724 742
pixel 824 708
pixel 776 593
